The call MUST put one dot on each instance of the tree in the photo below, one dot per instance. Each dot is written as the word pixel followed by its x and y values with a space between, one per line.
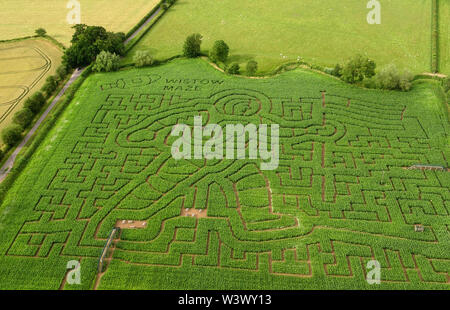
pixel 219 51
pixel 89 41
pixel 35 102
pixel 142 59
pixel 50 85
pixel 41 32
pixel 357 69
pixel 61 72
pixel 11 135
pixel 191 47
pixel 252 67
pixel 23 117
pixel 106 62
pixel 234 69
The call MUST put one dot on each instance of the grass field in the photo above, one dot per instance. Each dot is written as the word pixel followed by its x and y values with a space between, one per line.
pixel 339 198
pixel 24 66
pixel 22 17
pixel 322 32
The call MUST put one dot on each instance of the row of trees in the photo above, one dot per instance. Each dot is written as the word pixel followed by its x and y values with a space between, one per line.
pixel 361 70
pixel 22 119
pixel 88 44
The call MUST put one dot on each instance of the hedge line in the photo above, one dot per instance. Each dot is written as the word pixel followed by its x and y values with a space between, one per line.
pixel 144 19
pixel 41 134
pixel 435 36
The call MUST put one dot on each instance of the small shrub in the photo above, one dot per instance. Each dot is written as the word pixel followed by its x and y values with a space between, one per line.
pixel 234 69
pixel 50 85
pixel 61 72
pixel 328 70
pixel 23 117
pixel 405 81
pixel 337 70
pixel 106 62
pixel 142 59
pixel 252 67
pixel 40 32
pixel 11 135
pixel 191 47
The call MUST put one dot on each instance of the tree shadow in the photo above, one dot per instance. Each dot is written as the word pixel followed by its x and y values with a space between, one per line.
pixel 240 58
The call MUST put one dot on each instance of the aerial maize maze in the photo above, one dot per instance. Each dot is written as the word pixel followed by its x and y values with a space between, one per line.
pixel 341 196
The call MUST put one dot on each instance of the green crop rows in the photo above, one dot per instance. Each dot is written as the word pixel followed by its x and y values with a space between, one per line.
pixel 340 196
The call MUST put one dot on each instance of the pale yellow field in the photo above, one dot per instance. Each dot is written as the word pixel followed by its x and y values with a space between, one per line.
pixel 21 18
pixel 24 66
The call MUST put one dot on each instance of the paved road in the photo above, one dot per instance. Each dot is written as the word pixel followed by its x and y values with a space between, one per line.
pixel 143 26
pixel 4 171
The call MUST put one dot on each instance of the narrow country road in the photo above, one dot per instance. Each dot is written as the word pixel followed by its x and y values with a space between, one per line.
pixel 143 26
pixel 4 171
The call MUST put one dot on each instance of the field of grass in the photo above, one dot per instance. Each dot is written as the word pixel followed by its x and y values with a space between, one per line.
pixel 22 17
pixel 339 198
pixel 322 32
pixel 24 66
pixel 444 36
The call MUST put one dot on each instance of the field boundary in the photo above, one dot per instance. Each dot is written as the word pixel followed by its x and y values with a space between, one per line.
pixel 143 20
pixel 45 69
pixel 152 20
pixel 435 36
pixel 23 159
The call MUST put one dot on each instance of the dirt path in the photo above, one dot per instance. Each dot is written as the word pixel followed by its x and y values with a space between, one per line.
pixel 143 26
pixel 5 170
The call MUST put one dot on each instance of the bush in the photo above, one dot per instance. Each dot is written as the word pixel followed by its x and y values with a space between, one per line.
pixel 142 59
pixel 337 70
pixel 191 47
pixel 234 69
pixel 23 117
pixel 390 78
pixel 61 72
pixel 12 135
pixel 50 85
pixel 405 82
pixel 357 69
pixel 40 32
pixel 252 67
pixel 106 62
pixel 219 51
pixel 35 102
